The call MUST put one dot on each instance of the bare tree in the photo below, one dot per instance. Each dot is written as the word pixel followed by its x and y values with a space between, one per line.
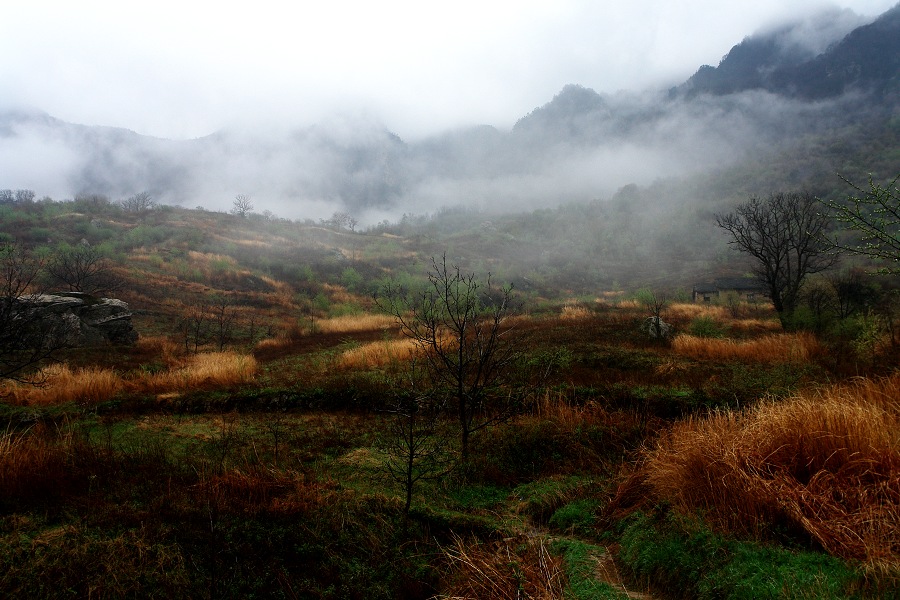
pixel 873 213
pixel 83 268
pixel 140 203
pixel 414 447
pixel 655 303
pixel 460 328
pixel 242 205
pixel 785 236
pixel 195 326
pixel 27 337
pixel 223 316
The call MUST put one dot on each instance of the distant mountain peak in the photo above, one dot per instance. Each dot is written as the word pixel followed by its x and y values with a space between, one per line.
pixel 820 56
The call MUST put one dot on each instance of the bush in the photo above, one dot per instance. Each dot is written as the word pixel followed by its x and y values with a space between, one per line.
pixel 705 326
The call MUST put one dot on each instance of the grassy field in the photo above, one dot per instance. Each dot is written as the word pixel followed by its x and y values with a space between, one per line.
pixel 733 460
pixel 229 474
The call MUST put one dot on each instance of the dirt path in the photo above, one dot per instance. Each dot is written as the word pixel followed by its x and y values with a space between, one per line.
pixel 606 569
pixel 607 572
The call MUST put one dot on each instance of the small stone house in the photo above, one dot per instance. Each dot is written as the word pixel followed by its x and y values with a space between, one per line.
pixel 746 288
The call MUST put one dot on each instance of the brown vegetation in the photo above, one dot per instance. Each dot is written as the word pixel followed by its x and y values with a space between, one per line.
pixel 93 385
pixel 211 369
pixel 774 348
pixel 60 383
pixel 826 463
pixel 510 569
pixel 378 354
pixel 356 323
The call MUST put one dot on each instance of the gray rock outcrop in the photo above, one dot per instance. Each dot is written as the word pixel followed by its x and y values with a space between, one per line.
pixel 85 319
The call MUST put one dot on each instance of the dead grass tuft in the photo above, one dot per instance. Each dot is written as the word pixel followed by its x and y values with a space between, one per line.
pixel 575 312
pixel 689 310
pixel 628 304
pixel 775 348
pixel 161 346
pixel 61 384
pixel 824 463
pixel 93 385
pixel 356 323
pixel 201 370
pixel 513 568
pixel 257 489
pixel 40 463
pixel 378 354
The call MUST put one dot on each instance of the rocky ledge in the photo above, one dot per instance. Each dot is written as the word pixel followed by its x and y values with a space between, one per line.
pixel 87 320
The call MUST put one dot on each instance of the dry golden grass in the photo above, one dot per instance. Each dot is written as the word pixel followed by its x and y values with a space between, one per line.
pixel 575 312
pixel 93 385
pixel 774 348
pixel 555 407
pixel 356 323
pixel 378 354
pixel 338 294
pixel 751 325
pixel 276 343
pixel 61 384
pixel 513 568
pixel 203 259
pixel 628 304
pixel 826 463
pixel 609 294
pixel 692 310
pixel 161 346
pixel 211 369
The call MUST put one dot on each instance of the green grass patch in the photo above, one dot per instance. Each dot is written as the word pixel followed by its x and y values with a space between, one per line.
pixel 675 552
pixel 581 569
pixel 575 517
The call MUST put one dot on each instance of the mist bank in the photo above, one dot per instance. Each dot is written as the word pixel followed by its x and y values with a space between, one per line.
pixel 545 160
pixel 776 92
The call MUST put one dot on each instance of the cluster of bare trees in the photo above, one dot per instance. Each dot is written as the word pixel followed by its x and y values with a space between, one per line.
pixel 242 206
pixel 206 322
pixel 139 203
pixel 82 268
pixel 16 196
pixel 791 236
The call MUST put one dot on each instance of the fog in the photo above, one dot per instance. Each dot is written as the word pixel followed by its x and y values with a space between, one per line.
pixel 483 115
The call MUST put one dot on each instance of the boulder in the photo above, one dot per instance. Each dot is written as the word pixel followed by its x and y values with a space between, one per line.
pixel 656 328
pixel 87 320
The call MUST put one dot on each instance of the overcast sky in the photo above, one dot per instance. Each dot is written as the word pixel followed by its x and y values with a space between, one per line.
pixel 184 69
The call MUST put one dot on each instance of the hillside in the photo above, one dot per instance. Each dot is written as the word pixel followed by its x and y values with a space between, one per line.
pixel 265 434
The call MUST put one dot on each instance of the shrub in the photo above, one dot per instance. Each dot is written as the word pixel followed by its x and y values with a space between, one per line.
pixel 705 326
pixel 577 516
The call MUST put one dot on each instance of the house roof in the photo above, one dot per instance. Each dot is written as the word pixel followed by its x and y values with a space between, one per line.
pixel 744 284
